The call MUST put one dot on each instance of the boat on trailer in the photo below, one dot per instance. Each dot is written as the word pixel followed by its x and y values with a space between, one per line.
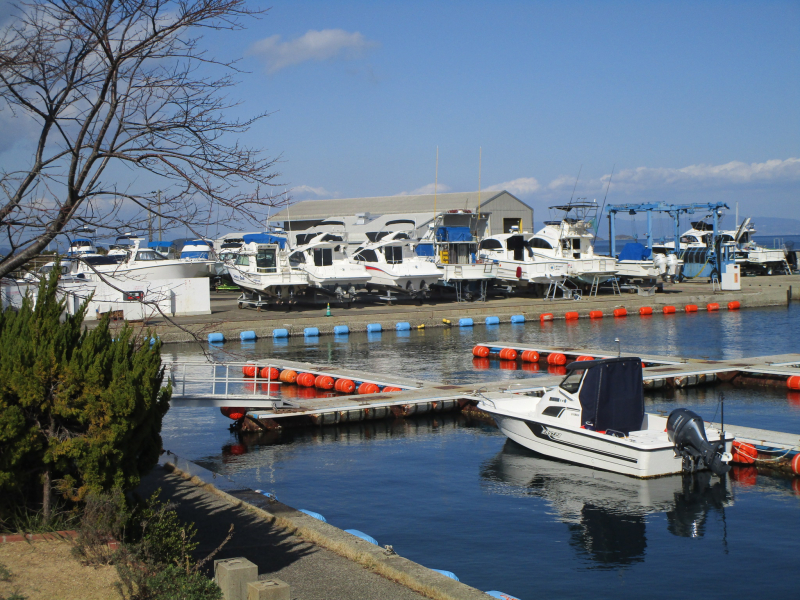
pixel 595 417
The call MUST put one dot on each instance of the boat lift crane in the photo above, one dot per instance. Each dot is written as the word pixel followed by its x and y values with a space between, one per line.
pixel 673 210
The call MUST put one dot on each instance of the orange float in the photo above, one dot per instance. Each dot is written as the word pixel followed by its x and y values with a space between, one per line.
pixel 480 351
pixel 556 359
pixel 508 354
pixel 250 370
pixel 324 382
pixel 306 379
pixel 233 413
pixel 712 306
pixel 368 388
pixel 690 308
pixel 346 386
pixel 646 311
pixel 793 383
pixel 734 305
pixel 391 388
pixel 743 453
pixel 796 464
pixel 668 310
pixel 571 316
pixel 546 317
pixel 270 373
pixel 620 312
pixel 583 358
pixel 531 356
pixel 288 376
pixel 595 314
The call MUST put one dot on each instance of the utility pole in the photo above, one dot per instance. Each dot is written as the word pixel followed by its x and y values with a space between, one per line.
pixel 159 216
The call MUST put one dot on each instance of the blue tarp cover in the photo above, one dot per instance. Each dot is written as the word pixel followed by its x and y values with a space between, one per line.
pixel 424 249
pixel 264 238
pixel 453 234
pixel 634 251
pixel 160 244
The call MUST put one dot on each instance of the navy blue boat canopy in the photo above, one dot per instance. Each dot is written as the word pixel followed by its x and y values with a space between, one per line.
pixel 634 251
pixel 424 249
pixel 264 238
pixel 453 234
pixel 612 394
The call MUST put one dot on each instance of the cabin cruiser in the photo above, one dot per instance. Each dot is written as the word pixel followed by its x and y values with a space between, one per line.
pixel 122 245
pixel 452 244
pixel 80 246
pixel 322 254
pixel 263 272
pixel 393 265
pixel 203 251
pixel 596 418
pixel 164 248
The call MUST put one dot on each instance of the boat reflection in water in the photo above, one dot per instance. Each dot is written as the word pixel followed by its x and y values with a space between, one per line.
pixel 607 513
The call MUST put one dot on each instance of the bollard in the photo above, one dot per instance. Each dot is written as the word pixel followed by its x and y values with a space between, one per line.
pixel 268 589
pixel 232 576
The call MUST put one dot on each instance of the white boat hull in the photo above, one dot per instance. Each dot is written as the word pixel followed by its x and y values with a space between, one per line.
pixel 477 272
pixel 278 285
pixel 411 278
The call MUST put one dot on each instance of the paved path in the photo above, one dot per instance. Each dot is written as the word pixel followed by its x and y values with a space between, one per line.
pixel 313 573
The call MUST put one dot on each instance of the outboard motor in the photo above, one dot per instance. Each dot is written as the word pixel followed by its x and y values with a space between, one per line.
pixel 685 429
pixel 672 267
pixel 660 263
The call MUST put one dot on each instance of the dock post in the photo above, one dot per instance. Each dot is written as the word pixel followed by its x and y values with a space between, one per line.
pixel 232 576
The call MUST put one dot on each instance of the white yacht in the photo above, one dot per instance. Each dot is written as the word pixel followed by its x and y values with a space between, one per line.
pixel 517 264
pixel 80 246
pixel 322 254
pixel 263 271
pixel 203 251
pixel 596 418
pixel 392 263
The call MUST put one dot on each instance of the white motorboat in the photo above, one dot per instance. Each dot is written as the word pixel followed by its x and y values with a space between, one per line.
pixel 392 264
pixel 203 251
pixel 263 271
pixel 322 254
pixel 596 418
pixel 80 246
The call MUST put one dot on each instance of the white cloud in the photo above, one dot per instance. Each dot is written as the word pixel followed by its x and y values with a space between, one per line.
pixel 427 189
pixel 693 176
pixel 307 190
pixel 326 44
pixel 522 186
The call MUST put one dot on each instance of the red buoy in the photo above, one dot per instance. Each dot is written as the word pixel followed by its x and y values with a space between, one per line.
pixel 571 316
pixel 391 388
pixel 508 354
pixel 645 311
pixel 530 356
pixel 250 370
pixel 583 358
pixel 546 317
pixel 346 386
pixel 595 314
pixel 233 413
pixel 690 308
pixel 556 359
pixel 620 312
pixel 734 305
pixel 324 382
pixel 269 373
pixel 288 376
pixel 668 310
pixel 368 388
pixel 743 453
pixel 306 379
pixel 712 306
pixel 796 464
pixel 480 351
pixel 793 383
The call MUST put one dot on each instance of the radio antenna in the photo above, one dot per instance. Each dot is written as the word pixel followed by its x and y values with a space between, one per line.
pixel 576 184
pixel 597 224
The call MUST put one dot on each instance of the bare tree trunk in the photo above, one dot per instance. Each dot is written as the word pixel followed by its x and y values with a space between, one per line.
pixel 47 494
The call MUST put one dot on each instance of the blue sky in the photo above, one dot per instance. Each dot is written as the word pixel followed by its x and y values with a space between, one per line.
pixel 690 101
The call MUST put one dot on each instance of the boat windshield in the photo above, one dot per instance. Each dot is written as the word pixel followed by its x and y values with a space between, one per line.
pixel 572 382
pixel 149 255
pixel 265 260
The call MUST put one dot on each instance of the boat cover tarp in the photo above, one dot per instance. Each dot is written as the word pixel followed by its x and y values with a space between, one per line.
pixel 264 238
pixel 160 244
pixel 453 234
pixel 424 249
pixel 612 394
pixel 634 251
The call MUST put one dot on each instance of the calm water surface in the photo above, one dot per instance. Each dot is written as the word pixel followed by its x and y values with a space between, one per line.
pixel 454 494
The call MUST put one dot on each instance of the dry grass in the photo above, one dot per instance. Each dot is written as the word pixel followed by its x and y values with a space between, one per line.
pixel 47 570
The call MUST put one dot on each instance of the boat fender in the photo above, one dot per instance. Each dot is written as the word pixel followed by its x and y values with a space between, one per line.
pixel 793 383
pixel 690 308
pixel 270 373
pixel 465 322
pixel 796 464
pixel 215 338
pixel 392 388
pixel 596 314
pixel 368 388
pixel 324 382
pixel 306 379
pixel 507 354
pixel 492 320
pixel 620 312
pixel 668 310
pixel 288 376
pixel 531 356
pixel 734 305
pixel 311 332
pixel 480 351
pixel 346 386
pixel 362 535
pixel 546 317
pixel 311 513
pixel 249 370
pixel 745 454
pixel 233 413
pixel 645 311
pixel 556 359
pixel 712 306
pixel 584 358
pixel 247 336
pixel 280 333
pixel 571 316
pixel 517 318
pixel 341 330
pixel 374 328
pixel 403 326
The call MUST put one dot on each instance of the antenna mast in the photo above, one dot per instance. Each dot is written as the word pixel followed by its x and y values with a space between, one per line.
pixel 597 224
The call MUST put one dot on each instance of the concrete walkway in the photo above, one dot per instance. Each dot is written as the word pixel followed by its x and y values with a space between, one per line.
pixel 313 573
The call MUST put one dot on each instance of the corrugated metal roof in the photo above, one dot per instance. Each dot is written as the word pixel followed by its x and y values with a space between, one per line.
pixel 385 205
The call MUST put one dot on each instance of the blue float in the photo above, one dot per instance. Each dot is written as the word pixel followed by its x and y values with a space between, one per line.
pixel 501 595
pixel 492 320
pixel 362 535
pixel 465 322
pixel 280 333
pixel 374 328
pixel 517 318
pixel 311 513
pixel 247 336
pixel 311 332
pixel 215 338
pixel 341 330
pixel 403 326
pixel 449 574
